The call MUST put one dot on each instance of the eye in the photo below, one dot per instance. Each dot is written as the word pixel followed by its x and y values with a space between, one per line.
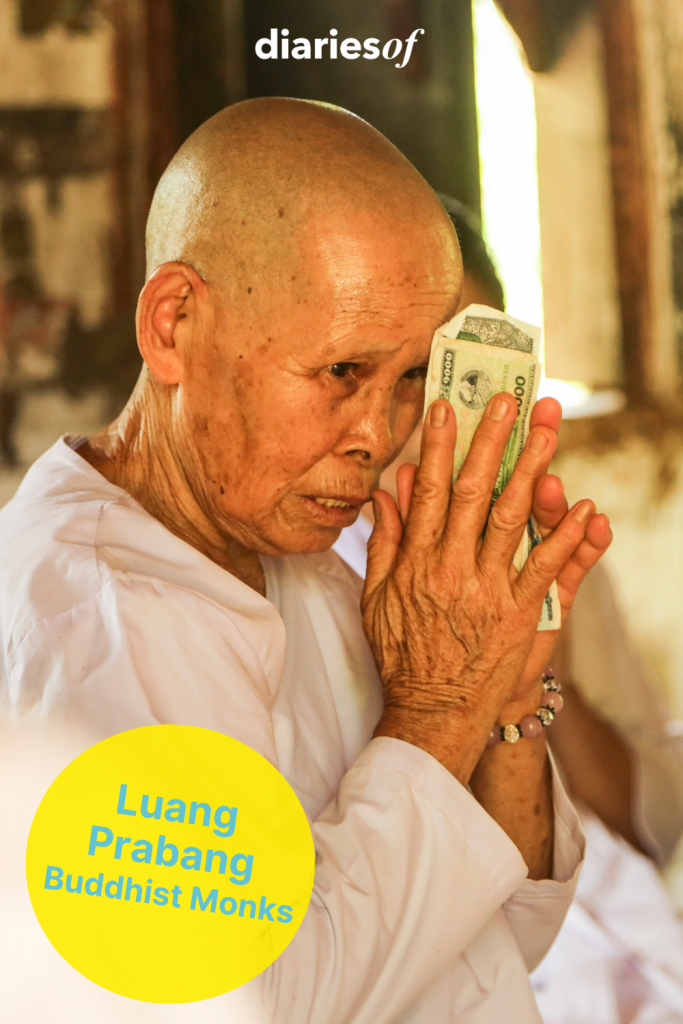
pixel 342 370
pixel 417 373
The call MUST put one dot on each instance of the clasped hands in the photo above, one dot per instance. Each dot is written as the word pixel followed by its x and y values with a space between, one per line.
pixel 451 623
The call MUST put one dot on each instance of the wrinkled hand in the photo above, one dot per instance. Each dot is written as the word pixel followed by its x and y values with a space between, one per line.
pixel 451 624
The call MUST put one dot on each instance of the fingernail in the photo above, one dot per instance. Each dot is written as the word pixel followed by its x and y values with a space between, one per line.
pixel 584 511
pixel 438 414
pixel 498 409
pixel 377 509
pixel 538 442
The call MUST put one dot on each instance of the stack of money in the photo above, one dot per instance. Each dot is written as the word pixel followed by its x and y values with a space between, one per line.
pixel 477 354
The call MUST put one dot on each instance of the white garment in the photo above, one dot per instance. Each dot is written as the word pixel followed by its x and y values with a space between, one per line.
pixel 619 954
pixel 421 912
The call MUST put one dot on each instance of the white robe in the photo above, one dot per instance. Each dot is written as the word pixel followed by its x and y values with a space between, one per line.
pixel 421 911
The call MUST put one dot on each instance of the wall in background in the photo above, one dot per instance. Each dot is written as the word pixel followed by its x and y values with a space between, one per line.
pixel 427 109
pixel 639 484
pixel 56 157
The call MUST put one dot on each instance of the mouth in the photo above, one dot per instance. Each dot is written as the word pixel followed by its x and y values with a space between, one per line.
pixel 333 509
pixel 333 503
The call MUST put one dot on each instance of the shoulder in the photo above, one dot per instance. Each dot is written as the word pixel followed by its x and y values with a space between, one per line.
pixel 81 558
pixel 47 552
pixel 139 645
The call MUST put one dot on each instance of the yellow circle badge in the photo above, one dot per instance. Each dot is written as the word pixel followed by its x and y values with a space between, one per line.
pixel 170 863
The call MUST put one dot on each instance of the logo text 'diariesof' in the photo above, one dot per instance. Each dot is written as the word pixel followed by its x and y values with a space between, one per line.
pixel 278 46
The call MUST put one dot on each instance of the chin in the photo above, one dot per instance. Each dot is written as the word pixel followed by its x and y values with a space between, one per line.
pixel 301 541
pixel 311 543
pixel 309 534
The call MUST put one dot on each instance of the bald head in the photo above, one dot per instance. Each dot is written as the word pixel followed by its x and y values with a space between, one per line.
pixel 298 267
pixel 240 198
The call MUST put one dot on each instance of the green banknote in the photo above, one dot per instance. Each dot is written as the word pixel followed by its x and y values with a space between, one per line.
pixel 477 354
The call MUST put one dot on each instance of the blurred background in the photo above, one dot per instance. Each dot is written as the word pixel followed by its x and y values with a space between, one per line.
pixel 558 122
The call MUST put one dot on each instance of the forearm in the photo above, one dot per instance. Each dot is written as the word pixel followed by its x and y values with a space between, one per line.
pixel 513 784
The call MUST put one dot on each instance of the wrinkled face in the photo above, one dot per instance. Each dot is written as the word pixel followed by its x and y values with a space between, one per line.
pixel 297 397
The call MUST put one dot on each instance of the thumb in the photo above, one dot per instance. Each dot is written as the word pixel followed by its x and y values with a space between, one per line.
pixel 383 544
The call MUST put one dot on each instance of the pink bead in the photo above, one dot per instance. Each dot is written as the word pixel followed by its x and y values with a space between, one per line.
pixel 494 737
pixel 554 701
pixel 531 727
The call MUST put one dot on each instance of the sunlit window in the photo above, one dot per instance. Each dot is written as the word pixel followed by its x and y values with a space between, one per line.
pixel 506 114
pixel 507 150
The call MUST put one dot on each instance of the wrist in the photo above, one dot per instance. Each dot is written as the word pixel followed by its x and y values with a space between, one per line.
pixel 453 738
pixel 515 722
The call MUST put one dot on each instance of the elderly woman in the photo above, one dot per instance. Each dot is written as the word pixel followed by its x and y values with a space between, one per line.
pixel 298 267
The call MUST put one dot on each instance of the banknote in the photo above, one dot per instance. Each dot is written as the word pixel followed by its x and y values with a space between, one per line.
pixel 477 354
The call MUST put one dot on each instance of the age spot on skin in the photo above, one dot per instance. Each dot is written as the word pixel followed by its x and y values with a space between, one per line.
pixel 249 291
pixel 281 212
pixel 222 489
pixel 537 809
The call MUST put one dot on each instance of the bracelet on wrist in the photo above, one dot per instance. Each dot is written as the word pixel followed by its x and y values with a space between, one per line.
pixel 532 725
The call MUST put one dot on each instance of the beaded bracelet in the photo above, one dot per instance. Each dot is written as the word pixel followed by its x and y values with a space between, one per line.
pixel 532 725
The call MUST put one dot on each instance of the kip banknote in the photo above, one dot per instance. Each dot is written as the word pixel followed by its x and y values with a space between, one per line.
pixel 477 354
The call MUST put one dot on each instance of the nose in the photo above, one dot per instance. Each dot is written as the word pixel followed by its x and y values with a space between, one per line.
pixel 370 432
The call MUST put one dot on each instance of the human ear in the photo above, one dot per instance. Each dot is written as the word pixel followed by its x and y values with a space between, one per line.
pixel 167 309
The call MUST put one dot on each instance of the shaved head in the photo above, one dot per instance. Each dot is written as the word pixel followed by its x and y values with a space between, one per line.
pixel 297 268
pixel 238 198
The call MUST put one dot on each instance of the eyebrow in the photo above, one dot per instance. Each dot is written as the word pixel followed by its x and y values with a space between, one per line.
pixel 368 353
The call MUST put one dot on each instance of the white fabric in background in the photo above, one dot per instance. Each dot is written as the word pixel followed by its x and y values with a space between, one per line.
pixel 619 955
pixel 352 545
pixel 421 912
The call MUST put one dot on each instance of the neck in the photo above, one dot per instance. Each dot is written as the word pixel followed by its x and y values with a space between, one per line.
pixel 137 452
